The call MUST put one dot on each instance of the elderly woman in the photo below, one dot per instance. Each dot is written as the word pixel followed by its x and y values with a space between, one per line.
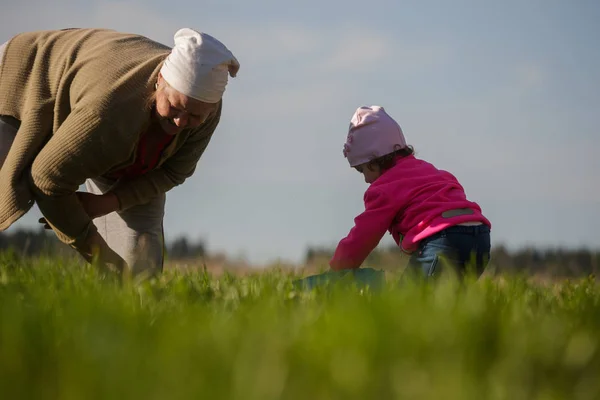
pixel 120 113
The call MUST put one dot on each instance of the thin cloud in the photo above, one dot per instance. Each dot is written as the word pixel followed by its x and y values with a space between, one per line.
pixel 357 53
pixel 530 75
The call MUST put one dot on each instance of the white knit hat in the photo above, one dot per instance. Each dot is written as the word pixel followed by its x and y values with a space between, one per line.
pixel 198 66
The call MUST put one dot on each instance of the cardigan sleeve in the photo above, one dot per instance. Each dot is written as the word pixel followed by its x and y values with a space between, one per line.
pixel 369 228
pixel 83 147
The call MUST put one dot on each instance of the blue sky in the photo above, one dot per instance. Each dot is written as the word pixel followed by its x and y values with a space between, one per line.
pixel 505 95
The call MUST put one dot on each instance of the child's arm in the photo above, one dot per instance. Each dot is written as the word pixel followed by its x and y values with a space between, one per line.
pixel 369 228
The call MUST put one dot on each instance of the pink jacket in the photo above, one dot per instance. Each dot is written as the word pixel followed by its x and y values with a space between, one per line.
pixel 408 201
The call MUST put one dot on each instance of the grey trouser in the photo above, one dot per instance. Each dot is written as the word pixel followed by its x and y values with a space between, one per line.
pixel 135 234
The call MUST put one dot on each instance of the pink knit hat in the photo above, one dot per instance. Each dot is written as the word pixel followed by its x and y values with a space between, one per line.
pixel 373 133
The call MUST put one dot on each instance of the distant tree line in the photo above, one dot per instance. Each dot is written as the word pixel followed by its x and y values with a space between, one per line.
pixel 557 262
pixel 28 242
pixel 182 248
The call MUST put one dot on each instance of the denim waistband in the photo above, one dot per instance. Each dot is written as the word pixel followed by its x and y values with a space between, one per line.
pixel 465 230
pixel 473 230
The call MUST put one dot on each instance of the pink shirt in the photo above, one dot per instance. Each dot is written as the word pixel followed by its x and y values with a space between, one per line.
pixel 408 201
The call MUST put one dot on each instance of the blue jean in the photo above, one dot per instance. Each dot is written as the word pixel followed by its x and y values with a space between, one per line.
pixel 462 248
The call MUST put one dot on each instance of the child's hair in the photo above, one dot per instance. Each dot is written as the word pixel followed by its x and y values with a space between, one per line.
pixel 388 161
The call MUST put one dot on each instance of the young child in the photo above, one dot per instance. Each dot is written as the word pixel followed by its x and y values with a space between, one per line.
pixel 425 209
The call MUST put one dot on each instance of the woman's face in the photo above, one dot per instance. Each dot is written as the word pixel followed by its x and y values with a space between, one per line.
pixel 176 111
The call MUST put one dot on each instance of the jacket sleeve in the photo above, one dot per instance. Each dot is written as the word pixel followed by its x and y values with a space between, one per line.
pixel 84 146
pixel 172 172
pixel 369 228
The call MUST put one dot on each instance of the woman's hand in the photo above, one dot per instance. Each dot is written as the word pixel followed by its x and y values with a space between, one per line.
pixel 98 205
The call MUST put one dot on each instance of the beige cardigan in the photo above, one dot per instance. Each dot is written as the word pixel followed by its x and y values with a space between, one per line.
pixel 81 96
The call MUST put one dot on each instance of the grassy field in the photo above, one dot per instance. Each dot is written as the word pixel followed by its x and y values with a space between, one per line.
pixel 68 333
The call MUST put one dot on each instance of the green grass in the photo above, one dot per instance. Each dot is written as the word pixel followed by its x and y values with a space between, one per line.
pixel 68 333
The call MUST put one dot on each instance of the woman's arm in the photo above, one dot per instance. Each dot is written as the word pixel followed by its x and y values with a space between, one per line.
pixel 83 147
pixel 172 173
